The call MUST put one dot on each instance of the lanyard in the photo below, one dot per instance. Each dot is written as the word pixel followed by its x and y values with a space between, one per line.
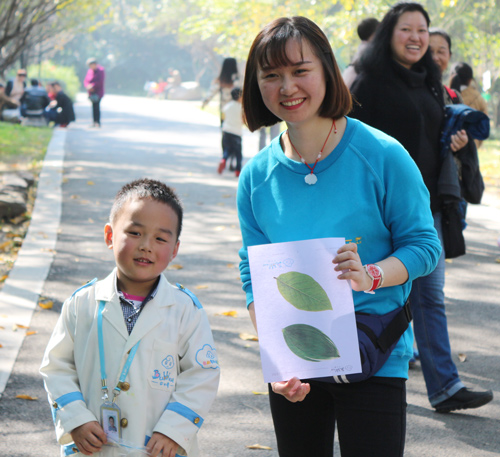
pixel 126 367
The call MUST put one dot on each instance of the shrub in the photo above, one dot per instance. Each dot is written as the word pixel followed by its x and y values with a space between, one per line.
pixel 48 72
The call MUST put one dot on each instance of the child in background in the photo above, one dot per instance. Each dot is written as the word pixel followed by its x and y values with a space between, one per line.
pixel 148 341
pixel 232 126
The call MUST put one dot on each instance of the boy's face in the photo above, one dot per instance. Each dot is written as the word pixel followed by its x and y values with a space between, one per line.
pixel 144 241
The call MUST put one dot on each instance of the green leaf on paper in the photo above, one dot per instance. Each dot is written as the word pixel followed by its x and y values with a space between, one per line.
pixel 303 292
pixel 309 343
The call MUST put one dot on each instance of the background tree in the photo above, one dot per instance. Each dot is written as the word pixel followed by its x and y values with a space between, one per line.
pixel 27 26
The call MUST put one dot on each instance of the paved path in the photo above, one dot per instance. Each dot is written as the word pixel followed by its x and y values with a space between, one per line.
pixel 177 143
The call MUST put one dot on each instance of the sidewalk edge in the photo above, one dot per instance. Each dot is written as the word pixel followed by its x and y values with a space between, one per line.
pixel 20 293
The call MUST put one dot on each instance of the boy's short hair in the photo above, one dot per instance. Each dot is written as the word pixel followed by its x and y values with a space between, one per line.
pixel 269 50
pixel 236 93
pixel 147 188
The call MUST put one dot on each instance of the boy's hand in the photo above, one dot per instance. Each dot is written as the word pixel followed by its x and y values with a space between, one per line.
pixel 89 437
pixel 159 443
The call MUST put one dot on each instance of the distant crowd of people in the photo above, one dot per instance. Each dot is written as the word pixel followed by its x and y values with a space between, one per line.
pixel 20 103
pixel 38 105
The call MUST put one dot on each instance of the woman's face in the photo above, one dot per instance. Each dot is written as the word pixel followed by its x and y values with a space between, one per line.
pixel 410 38
pixel 440 51
pixel 294 92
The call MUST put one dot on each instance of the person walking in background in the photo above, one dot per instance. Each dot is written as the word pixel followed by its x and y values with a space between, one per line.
pixel 231 132
pixel 94 83
pixel 366 31
pixel 399 91
pixel 227 80
pixel 332 176
pixel 60 110
pixel 462 80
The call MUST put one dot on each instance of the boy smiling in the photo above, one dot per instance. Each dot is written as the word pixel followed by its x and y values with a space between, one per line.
pixel 148 340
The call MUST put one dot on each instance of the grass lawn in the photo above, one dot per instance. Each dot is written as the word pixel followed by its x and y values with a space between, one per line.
pixel 489 159
pixel 21 147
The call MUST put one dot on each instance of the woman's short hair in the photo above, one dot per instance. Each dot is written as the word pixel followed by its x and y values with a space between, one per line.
pixel 269 49
pixel 442 33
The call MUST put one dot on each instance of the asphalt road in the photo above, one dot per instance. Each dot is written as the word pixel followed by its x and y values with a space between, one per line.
pixel 179 144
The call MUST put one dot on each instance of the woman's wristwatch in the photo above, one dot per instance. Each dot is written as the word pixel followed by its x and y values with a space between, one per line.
pixel 376 274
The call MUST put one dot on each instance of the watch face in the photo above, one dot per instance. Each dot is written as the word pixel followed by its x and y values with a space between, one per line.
pixel 374 271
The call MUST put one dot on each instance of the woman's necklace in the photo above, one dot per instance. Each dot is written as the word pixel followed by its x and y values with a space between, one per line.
pixel 311 178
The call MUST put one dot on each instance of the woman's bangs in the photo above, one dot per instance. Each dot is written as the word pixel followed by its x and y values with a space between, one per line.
pixel 273 52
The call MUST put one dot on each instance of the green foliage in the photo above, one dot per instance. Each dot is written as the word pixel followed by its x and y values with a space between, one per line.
pixel 49 71
pixel 20 143
pixel 303 292
pixel 309 343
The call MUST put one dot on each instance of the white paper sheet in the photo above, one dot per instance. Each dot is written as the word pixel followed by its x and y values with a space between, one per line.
pixel 287 279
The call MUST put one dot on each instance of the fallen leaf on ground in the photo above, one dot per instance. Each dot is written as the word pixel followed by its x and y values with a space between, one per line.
pixel 449 260
pixel 90 183
pixel 260 393
pixel 201 286
pixel 31 332
pixel 248 337
pixel 259 446
pixel 46 305
pixel 228 313
pixel 230 265
pixel 175 266
pixel 2 327
pixel 3 278
pixel 5 245
pixel 220 228
pixel 1 346
pixel 16 326
pixel 462 357
pixel 26 397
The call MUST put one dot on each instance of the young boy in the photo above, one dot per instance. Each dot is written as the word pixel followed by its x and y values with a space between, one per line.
pixel 231 132
pixel 135 337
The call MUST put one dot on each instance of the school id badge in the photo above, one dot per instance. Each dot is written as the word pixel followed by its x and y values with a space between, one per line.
pixel 110 420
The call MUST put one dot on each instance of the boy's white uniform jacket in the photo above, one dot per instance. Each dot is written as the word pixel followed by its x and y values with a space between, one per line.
pixel 173 378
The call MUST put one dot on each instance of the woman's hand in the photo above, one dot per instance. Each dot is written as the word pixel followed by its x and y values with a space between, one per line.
pixel 459 140
pixel 349 263
pixel 293 390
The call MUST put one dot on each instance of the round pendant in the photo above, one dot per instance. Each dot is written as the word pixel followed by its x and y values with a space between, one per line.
pixel 311 179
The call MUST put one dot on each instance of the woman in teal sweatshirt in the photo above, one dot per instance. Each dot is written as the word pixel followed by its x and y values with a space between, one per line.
pixel 331 176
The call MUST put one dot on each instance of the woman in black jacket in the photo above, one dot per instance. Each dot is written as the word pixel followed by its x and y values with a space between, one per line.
pixel 399 91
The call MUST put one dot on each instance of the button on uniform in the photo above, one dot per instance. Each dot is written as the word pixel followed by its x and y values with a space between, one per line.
pixel 124 422
pixel 125 386
pixel 196 420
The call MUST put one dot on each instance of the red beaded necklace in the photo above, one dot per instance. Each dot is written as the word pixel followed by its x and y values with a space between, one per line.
pixel 311 178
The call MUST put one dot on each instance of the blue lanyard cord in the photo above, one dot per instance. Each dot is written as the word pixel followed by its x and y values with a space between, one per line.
pixel 126 367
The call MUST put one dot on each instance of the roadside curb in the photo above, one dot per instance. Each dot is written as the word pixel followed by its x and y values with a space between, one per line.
pixel 20 293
